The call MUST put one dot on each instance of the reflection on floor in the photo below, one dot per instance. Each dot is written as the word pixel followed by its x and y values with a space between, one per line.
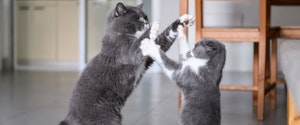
pixel 41 98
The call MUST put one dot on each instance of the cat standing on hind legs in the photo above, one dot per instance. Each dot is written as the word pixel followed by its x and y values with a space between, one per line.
pixel 110 77
pixel 197 75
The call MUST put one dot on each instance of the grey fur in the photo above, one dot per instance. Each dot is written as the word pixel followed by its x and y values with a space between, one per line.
pixel 201 91
pixel 201 103
pixel 110 77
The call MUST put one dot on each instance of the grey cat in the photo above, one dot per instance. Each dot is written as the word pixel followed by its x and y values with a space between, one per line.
pixel 197 75
pixel 111 76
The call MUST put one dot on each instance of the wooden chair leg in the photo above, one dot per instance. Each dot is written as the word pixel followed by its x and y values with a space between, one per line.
pixel 273 71
pixel 255 72
pixel 260 100
pixel 261 80
pixel 268 69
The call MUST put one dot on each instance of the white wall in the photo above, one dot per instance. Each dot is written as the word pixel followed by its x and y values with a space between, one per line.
pixel 285 15
pixel 226 14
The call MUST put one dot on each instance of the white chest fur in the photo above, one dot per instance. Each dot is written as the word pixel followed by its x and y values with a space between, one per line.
pixel 138 34
pixel 194 64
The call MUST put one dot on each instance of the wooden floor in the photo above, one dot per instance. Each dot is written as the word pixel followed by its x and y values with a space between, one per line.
pixel 41 98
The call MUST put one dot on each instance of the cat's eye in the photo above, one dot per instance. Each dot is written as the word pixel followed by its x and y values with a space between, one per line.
pixel 139 19
pixel 211 48
pixel 214 48
pixel 142 19
pixel 146 18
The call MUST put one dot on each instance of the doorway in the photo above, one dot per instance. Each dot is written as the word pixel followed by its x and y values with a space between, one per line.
pixel 59 34
pixel 46 34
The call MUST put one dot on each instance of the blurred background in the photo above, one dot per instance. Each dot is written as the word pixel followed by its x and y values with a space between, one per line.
pixel 65 34
pixel 44 44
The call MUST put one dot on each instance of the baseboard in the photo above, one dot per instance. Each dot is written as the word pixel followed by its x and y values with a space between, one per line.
pixel 7 64
pixel 48 66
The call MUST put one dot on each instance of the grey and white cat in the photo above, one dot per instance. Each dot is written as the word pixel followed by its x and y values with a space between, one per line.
pixel 111 76
pixel 197 75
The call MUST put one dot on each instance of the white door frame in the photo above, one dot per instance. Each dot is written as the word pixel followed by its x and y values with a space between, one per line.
pixel 82 34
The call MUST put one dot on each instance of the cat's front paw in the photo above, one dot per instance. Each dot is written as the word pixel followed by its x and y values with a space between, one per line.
pixel 154 30
pixel 149 48
pixel 187 20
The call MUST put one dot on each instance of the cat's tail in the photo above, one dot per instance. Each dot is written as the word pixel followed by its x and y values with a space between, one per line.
pixel 63 123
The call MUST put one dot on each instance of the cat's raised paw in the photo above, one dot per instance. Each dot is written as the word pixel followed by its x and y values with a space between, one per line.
pixel 187 20
pixel 154 30
pixel 149 48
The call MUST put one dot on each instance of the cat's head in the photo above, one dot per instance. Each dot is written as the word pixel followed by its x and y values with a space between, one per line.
pixel 128 20
pixel 212 50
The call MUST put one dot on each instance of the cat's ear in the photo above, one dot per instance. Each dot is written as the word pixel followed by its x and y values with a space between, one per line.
pixel 120 10
pixel 140 5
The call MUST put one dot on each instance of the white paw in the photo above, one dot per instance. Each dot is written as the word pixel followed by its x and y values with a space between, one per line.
pixel 144 47
pixel 187 20
pixel 154 30
pixel 181 33
pixel 149 48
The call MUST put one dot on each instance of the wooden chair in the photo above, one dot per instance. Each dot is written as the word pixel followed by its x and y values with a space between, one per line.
pixel 258 36
pixel 288 32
